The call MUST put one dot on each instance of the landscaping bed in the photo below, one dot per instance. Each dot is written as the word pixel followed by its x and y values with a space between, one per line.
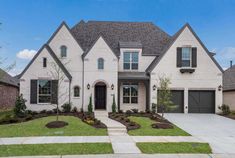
pixel 55 149
pixel 147 124
pixel 36 127
pixel 173 148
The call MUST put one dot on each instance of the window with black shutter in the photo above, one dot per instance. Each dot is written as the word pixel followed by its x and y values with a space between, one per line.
pixel 33 91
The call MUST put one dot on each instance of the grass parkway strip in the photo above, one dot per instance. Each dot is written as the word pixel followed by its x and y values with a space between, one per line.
pixel 55 149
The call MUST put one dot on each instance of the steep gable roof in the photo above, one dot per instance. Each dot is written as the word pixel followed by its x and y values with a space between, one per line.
pixel 152 38
pixel 229 79
pixel 171 42
pixel 8 79
pixel 53 56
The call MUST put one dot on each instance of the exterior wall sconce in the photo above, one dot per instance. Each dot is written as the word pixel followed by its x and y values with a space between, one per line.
pixel 88 86
pixel 112 86
pixel 219 88
pixel 154 87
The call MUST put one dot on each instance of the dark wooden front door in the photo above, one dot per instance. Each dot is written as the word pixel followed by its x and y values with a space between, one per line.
pixel 100 97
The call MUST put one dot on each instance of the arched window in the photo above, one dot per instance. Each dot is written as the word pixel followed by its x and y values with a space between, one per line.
pixel 63 51
pixel 76 92
pixel 100 63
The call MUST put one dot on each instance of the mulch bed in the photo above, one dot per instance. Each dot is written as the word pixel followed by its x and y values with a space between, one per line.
pixel 231 116
pixel 161 123
pixel 86 117
pixel 56 124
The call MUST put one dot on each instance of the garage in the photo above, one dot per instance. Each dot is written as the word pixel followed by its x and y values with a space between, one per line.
pixel 177 97
pixel 201 101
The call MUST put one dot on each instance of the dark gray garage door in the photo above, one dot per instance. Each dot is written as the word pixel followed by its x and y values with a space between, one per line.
pixel 178 100
pixel 201 102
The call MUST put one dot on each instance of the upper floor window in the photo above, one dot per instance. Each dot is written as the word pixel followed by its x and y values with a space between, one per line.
pixel 44 91
pixel 130 61
pixel 63 51
pixel 76 91
pixel 100 63
pixel 186 57
pixel 44 62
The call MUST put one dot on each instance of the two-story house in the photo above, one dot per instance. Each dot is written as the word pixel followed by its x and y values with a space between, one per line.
pixel 122 59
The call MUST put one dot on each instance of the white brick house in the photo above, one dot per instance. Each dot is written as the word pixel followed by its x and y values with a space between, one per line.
pixel 124 59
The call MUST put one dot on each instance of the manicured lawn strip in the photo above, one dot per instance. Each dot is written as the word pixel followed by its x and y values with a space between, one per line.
pixel 37 128
pixel 4 113
pixel 147 130
pixel 55 149
pixel 182 147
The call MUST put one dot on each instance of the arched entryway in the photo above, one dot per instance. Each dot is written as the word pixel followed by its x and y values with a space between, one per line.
pixel 100 95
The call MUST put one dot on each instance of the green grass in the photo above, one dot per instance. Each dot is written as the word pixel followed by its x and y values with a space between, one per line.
pixel 37 128
pixel 147 130
pixel 55 149
pixel 182 147
pixel 4 113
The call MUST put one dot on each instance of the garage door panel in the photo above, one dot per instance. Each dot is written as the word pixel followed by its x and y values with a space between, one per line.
pixel 178 100
pixel 201 102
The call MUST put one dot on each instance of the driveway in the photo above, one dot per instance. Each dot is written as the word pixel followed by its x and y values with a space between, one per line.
pixel 218 131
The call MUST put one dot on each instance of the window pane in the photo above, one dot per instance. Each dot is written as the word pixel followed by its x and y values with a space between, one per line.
pixel 76 92
pixel 63 50
pixel 135 57
pixel 127 66
pixel 186 53
pixel 126 57
pixel 134 90
pixel 134 66
pixel 100 63
pixel 126 90
pixel 44 87
pixel 44 99
pixel 126 99
pixel 134 100
pixel 185 63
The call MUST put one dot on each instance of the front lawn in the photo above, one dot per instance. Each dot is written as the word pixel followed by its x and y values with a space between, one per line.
pixel 182 147
pixel 147 130
pixel 55 149
pixel 37 128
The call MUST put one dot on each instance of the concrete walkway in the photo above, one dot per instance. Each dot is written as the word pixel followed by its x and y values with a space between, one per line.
pixel 218 131
pixel 136 156
pixel 121 142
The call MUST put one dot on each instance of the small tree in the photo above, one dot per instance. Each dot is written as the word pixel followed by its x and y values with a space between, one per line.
pixel 20 107
pixel 90 105
pixel 164 95
pixel 114 107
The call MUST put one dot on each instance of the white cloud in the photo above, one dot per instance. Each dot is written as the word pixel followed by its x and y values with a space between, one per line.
pixel 26 54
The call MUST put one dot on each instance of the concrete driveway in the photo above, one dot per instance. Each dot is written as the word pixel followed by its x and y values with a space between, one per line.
pixel 218 131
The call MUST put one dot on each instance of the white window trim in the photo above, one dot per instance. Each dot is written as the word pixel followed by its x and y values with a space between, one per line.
pixel 129 83
pixel 38 92
pixel 130 59
pixel 190 63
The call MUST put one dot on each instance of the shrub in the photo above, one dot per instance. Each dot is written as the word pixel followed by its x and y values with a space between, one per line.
pixel 81 110
pixel 28 117
pixel 128 112
pixel 114 104
pixel 49 112
pixel 154 106
pixel 66 107
pixel 20 107
pixel 225 109
pixel 75 109
pixel 90 105
pixel 43 112
pixel 135 110
pixel 120 111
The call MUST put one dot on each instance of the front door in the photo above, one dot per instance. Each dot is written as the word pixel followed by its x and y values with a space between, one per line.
pixel 100 97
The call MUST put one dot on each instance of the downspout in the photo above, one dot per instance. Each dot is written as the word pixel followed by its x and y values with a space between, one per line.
pixel 83 87
pixel 69 91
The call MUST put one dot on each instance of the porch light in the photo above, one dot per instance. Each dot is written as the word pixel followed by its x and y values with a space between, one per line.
pixel 154 87
pixel 112 86
pixel 219 88
pixel 88 86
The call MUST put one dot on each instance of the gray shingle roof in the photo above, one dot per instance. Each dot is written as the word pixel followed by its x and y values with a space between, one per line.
pixel 229 79
pixel 8 79
pixel 152 38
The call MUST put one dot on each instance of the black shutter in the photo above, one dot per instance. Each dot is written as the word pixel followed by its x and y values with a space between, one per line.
pixel 54 91
pixel 194 57
pixel 33 91
pixel 179 57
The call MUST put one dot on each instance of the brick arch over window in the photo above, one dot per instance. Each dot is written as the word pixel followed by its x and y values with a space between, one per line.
pixel 76 91
pixel 97 81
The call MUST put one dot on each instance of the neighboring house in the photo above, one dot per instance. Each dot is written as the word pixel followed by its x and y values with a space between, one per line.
pixel 229 87
pixel 9 90
pixel 123 59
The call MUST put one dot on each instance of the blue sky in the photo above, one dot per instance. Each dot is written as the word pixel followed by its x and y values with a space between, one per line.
pixel 28 24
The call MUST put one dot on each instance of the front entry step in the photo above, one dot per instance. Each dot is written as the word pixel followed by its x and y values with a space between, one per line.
pixel 101 113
